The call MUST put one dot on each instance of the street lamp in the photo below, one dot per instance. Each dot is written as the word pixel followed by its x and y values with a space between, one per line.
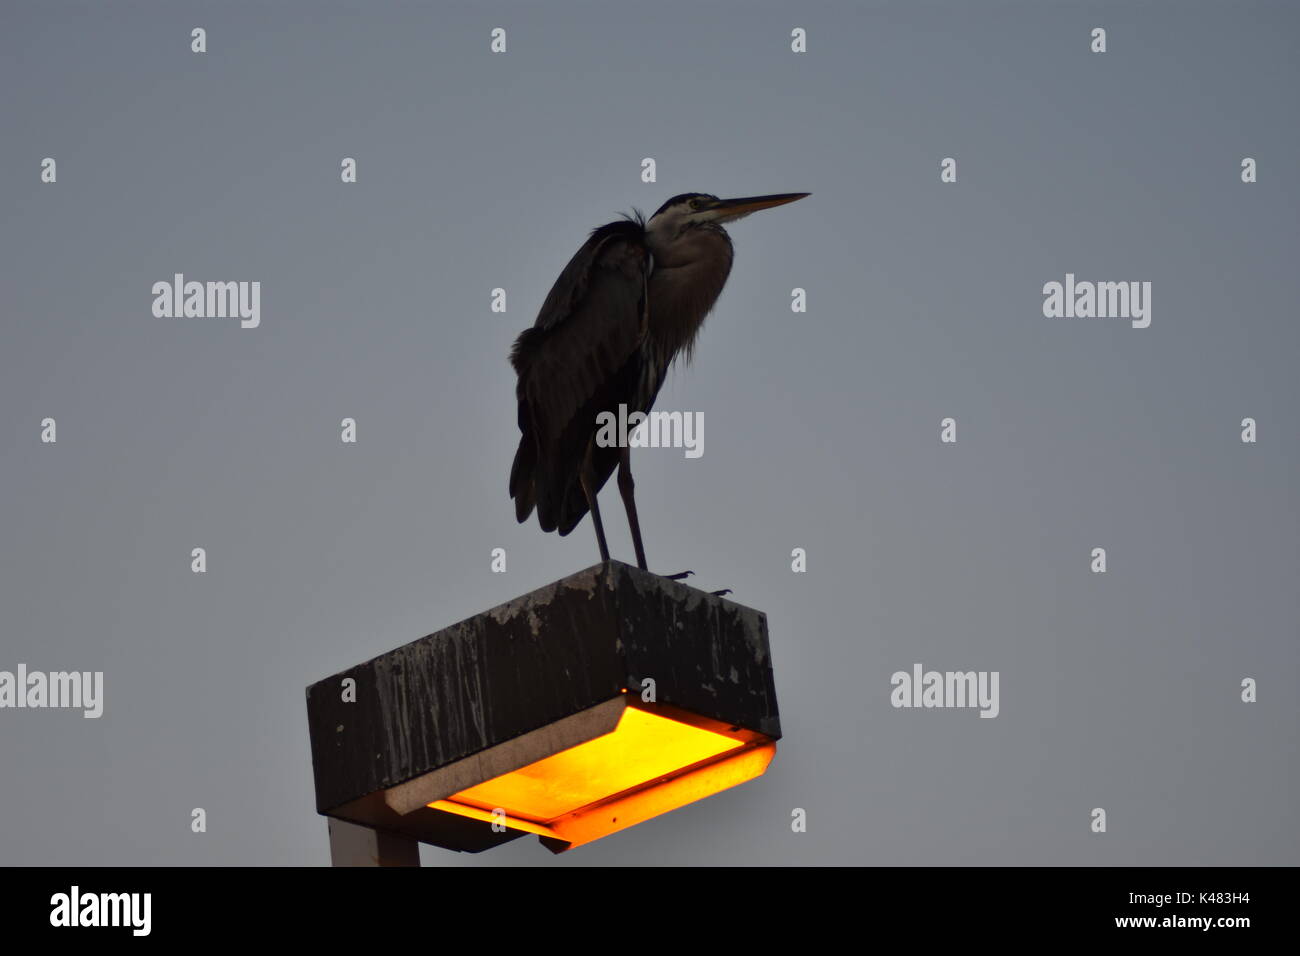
pixel 580 709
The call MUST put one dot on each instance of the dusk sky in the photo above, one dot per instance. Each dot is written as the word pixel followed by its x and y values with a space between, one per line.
pixel 476 170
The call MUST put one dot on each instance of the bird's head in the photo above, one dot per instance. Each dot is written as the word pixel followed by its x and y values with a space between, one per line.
pixel 696 210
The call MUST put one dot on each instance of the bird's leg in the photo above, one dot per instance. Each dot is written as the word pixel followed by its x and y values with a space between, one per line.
pixel 625 488
pixel 587 478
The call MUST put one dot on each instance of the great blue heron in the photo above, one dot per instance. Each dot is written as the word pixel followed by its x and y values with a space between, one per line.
pixel 629 302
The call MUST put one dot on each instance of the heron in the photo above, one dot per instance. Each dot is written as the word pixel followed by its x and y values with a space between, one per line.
pixel 630 302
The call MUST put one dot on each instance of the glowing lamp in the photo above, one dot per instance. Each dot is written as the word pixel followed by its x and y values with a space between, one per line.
pixel 587 706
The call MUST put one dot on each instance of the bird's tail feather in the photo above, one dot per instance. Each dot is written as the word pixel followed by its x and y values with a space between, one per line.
pixel 522 488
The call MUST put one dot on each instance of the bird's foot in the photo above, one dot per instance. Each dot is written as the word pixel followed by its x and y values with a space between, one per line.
pixel 683 575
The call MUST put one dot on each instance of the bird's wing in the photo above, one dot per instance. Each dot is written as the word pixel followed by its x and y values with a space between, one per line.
pixel 576 361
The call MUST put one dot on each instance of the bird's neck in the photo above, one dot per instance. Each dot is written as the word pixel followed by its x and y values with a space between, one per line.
pixel 687 279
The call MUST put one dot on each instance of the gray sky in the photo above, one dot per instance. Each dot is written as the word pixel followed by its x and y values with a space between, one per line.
pixel 1118 690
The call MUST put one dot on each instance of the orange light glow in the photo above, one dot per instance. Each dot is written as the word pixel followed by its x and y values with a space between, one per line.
pixel 652 762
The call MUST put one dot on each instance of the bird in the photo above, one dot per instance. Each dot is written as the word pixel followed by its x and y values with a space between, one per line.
pixel 629 303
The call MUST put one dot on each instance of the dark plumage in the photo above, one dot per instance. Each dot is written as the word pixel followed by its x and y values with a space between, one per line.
pixel 631 300
pixel 585 355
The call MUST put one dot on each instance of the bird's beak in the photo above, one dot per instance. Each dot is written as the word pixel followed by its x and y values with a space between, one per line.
pixel 728 210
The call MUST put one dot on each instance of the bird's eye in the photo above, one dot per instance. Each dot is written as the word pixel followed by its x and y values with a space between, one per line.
pixel 695 204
